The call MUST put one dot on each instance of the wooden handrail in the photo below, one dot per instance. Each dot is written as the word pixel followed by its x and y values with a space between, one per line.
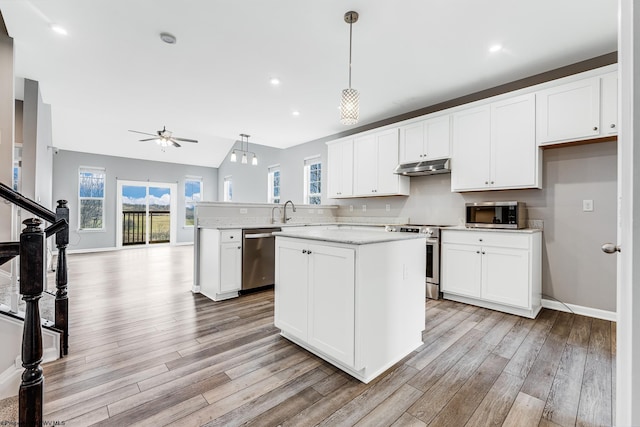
pixel 27 204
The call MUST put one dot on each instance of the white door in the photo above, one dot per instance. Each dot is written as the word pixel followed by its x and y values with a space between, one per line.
pixel 470 167
pixel 332 301
pixel 568 112
pixel 365 169
pixel 513 142
pixel 230 267
pixel 412 142
pixel 388 182
pixel 628 295
pixel 505 276
pixel 461 269
pixel 291 292
pixel 437 136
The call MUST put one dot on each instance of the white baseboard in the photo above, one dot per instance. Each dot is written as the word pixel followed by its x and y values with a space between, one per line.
pixel 113 248
pixel 578 309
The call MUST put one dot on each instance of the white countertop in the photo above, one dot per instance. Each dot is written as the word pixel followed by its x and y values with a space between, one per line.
pixel 493 230
pixel 350 237
pixel 293 224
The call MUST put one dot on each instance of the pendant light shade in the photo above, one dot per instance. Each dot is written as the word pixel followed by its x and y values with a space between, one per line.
pixel 244 139
pixel 350 101
pixel 349 107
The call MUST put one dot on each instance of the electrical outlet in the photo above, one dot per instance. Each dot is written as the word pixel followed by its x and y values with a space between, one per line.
pixel 364 208
pixel 388 208
pixel 587 206
pixel 320 211
pixel 243 210
pixel 350 208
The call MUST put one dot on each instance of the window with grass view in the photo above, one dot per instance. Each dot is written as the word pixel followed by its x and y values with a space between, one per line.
pixel 192 195
pixel 227 189
pixel 312 181
pixel 91 198
pixel 273 195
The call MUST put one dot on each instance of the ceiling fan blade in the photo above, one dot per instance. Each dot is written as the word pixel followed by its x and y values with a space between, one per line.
pixel 175 144
pixel 183 139
pixel 144 133
pixel 148 139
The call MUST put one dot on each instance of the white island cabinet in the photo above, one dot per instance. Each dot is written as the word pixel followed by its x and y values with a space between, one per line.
pixel 500 270
pixel 354 298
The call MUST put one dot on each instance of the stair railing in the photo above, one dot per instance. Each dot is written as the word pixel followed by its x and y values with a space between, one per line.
pixel 32 252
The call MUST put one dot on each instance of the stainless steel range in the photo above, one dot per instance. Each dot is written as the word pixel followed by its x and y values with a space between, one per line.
pixel 432 233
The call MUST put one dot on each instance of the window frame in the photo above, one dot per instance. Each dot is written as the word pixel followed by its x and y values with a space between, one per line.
pixel 271 171
pixel 92 170
pixel 190 201
pixel 308 195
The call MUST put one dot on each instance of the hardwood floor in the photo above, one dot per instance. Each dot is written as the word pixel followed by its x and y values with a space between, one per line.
pixel 145 351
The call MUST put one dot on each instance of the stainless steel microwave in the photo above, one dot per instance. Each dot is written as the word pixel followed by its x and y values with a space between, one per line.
pixel 496 215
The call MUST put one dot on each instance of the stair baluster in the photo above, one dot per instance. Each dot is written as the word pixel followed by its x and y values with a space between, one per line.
pixel 62 299
pixel 32 274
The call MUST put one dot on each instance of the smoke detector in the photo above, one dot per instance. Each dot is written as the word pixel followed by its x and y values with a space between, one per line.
pixel 168 38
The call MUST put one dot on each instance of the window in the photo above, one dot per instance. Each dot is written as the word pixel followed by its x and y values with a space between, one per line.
pixel 192 194
pixel 91 198
pixel 228 189
pixel 273 195
pixel 312 180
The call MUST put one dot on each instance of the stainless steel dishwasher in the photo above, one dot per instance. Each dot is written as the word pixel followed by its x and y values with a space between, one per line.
pixel 258 257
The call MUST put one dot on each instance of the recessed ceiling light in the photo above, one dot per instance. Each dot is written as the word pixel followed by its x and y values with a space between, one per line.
pixel 495 48
pixel 274 81
pixel 168 38
pixel 59 29
pixel 296 113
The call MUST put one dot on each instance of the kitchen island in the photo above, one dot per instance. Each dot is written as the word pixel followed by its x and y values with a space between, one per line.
pixel 354 298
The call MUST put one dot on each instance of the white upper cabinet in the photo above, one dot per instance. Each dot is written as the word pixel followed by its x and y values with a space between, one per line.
pixel 609 103
pixel 340 169
pixel 494 146
pixel 425 140
pixel 375 158
pixel 584 109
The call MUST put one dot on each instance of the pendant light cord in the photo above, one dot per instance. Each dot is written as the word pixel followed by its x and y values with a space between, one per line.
pixel 350 42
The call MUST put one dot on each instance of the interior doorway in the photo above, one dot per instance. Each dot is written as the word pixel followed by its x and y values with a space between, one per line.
pixel 146 213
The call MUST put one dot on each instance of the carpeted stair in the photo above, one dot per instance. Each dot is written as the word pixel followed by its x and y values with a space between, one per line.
pixel 9 411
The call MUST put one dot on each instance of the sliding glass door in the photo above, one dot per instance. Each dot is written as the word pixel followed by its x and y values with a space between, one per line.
pixel 147 213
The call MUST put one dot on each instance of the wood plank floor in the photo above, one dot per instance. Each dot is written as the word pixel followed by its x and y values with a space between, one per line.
pixel 145 351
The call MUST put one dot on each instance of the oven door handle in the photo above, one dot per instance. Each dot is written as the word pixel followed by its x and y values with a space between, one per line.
pixel 432 241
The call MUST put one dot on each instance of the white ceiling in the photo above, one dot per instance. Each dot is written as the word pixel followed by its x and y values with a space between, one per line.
pixel 112 73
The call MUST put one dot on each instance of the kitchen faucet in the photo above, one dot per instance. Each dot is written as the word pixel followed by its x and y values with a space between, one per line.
pixel 273 210
pixel 285 219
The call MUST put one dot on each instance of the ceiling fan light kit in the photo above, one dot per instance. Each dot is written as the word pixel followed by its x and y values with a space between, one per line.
pixel 164 138
pixel 350 100
pixel 244 139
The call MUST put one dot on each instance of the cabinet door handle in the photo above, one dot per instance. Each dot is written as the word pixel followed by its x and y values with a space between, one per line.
pixel 477 252
pixel 231 237
pixel 595 128
pixel 308 252
pixel 486 182
pixel 483 252
pixel 613 125
pixel 491 182
pixel 479 240
pixel 304 251
pixel 239 247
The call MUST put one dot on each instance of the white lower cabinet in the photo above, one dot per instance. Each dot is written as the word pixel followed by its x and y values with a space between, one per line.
pixel 493 269
pixel 320 309
pixel 360 307
pixel 220 263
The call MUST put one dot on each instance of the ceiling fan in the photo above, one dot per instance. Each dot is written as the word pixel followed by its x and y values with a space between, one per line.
pixel 164 138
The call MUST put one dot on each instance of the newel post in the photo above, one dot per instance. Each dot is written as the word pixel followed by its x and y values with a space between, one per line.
pixel 62 299
pixel 32 275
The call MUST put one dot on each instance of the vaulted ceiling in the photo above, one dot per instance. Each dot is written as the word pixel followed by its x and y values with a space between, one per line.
pixel 112 73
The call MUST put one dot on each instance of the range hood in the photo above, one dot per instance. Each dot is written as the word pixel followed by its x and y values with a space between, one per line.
pixel 426 167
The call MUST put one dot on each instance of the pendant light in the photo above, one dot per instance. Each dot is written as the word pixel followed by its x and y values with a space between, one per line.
pixel 244 139
pixel 350 101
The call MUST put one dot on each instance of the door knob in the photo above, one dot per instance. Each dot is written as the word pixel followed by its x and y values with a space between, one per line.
pixel 610 248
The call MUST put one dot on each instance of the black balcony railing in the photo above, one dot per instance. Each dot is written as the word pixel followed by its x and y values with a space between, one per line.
pixel 134 227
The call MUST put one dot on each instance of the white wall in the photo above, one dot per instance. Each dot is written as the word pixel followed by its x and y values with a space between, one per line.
pixel 6 125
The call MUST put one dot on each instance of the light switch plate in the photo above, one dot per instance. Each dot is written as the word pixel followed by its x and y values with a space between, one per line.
pixel 587 206
pixel 364 208
pixel 388 208
pixel 350 208
pixel 243 210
